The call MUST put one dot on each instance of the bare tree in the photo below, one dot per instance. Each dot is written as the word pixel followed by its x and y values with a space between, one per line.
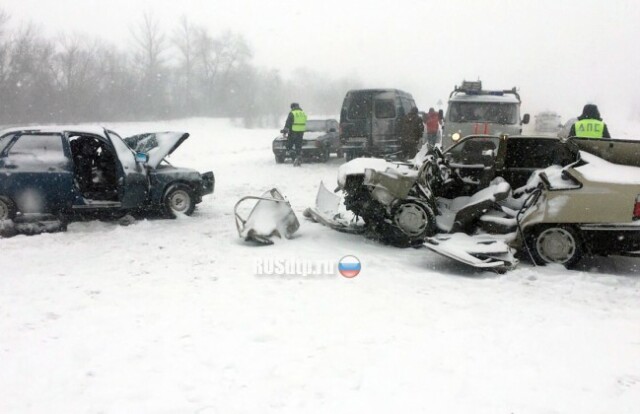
pixel 184 39
pixel 150 45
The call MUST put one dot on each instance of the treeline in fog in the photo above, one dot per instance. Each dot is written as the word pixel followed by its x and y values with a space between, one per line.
pixel 160 73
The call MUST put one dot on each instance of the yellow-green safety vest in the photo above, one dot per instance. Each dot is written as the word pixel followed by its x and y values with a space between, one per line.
pixel 299 120
pixel 589 128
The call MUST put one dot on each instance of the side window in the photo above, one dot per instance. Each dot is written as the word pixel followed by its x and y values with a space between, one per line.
pixel 384 108
pixel 37 150
pixel 531 153
pixel 406 105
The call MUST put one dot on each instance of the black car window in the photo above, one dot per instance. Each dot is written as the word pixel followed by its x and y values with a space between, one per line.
pixel 37 149
pixel 536 153
pixel 385 108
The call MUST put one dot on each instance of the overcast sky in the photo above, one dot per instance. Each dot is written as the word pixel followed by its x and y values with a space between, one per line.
pixel 561 54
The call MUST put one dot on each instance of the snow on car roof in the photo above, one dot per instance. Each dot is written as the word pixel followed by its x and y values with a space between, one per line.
pixel 89 129
pixel 598 170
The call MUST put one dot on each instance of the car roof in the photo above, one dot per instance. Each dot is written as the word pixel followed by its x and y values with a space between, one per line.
pixel 380 91
pixel 506 98
pixel 87 129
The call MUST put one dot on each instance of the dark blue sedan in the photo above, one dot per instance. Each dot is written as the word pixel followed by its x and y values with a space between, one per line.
pixel 65 172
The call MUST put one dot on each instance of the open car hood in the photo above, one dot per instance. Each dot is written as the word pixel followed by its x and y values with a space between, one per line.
pixel 157 145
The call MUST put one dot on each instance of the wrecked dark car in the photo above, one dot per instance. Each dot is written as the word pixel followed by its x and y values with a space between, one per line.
pixel 488 197
pixel 62 172
pixel 320 140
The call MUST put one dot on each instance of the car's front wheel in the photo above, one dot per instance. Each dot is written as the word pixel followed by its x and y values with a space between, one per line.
pixel 279 159
pixel 7 209
pixel 178 199
pixel 556 244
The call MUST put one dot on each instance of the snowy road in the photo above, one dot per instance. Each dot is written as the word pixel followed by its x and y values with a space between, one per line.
pixel 168 316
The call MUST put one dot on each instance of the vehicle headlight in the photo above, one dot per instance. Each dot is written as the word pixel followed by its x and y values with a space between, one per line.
pixel 456 136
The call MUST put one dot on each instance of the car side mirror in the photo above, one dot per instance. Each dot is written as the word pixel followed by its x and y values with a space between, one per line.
pixel 142 158
pixel 525 119
pixel 440 114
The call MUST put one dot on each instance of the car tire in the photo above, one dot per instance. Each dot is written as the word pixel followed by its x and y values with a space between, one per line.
pixel 7 209
pixel 415 220
pixel 556 244
pixel 279 159
pixel 340 153
pixel 178 199
pixel 350 155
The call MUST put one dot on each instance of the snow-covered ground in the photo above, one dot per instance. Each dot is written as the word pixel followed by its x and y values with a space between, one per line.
pixel 168 316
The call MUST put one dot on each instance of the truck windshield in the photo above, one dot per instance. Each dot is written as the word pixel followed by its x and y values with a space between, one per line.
pixel 493 112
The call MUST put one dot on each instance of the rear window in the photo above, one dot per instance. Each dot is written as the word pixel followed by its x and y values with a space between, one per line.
pixel 385 108
pixel 359 106
pixel 316 126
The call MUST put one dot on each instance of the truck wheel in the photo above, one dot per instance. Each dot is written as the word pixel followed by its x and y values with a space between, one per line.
pixel 7 209
pixel 556 244
pixel 279 159
pixel 178 199
pixel 350 155
pixel 340 153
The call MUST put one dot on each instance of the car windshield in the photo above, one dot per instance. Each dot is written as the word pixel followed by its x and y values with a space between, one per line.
pixel 316 125
pixel 494 112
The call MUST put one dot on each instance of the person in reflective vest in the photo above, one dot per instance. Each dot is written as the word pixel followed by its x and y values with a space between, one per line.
pixel 294 127
pixel 589 124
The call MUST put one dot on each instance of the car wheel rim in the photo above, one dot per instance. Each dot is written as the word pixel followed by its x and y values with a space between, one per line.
pixel 556 245
pixel 4 211
pixel 411 219
pixel 179 201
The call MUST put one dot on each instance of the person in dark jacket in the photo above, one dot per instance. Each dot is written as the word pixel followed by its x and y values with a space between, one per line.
pixel 411 132
pixel 589 124
pixel 294 127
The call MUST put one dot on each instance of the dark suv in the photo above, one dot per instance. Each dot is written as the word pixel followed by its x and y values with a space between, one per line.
pixel 370 121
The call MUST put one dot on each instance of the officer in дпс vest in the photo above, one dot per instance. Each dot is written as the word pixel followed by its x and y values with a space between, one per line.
pixel 295 126
pixel 589 124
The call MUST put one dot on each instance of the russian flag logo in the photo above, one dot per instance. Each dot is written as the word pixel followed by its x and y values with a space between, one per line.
pixel 349 266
